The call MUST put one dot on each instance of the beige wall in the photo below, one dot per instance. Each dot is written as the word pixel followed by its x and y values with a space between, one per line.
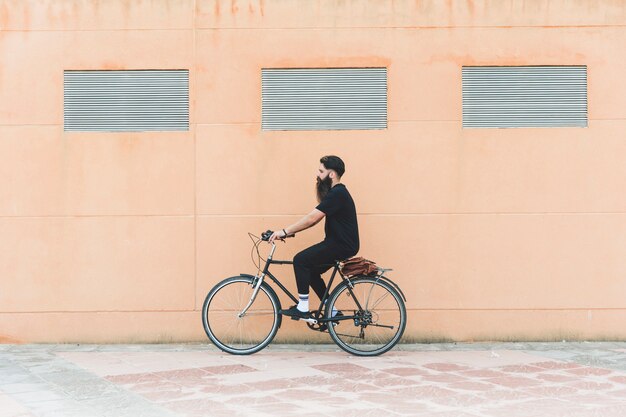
pixel 494 234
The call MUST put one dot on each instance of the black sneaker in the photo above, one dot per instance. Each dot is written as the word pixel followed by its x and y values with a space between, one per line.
pixel 324 326
pixel 295 314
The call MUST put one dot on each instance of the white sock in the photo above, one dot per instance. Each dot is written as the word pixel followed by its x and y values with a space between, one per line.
pixel 303 302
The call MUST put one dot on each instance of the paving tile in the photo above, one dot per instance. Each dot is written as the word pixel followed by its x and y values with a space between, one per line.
pixel 444 378
pixel 58 406
pixel 522 369
pixel 136 378
pixel 204 405
pixel 459 401
pixel 407 408
pixel 277 409
pixel 228 369
pixel 446 367
pixel 407 371
pixel 609 411
pixel 118 406
pixel 11 408
pixel 19 387
pixel 617 394
pixel 303 393
pixel 467 412
pixel 533 408
pixel 472 386
pixel 425 392
pixel 555 391
pixel 390 382
pixel 551 377
pixel 219 390
pixel 182 374
pixel 476 380
pixel 586 371
pixel 256 378
pixel 91 389
pixel 482 373
pixel 374 412
pixel 343 369
pixel 556 365
pixel 180 393
pixel 283 383
pixel 348 386
pixel 317 380
pixel 37 396
pixel 487 358
pixel 500 395
pixel 513 381
pixel 17 378
pixel 591 385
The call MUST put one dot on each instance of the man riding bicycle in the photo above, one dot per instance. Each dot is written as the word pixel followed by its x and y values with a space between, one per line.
pixel 364 312
pixel 341 229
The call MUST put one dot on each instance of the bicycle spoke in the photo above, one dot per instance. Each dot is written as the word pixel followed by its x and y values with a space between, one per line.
pixel 381 298
pixel 259 313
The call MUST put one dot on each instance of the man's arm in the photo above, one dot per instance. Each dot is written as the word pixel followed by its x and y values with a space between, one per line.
pixel 304 223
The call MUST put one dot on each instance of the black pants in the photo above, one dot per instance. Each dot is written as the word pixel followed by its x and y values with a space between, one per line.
pixel 312 262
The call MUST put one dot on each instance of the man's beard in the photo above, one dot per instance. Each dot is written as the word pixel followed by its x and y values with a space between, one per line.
pixel 322 187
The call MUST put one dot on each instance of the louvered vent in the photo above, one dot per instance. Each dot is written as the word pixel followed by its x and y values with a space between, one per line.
pixel 324 98
pixel 528 96
pixel 137 100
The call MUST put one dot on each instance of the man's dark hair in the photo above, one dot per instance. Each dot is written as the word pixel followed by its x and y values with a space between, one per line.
pixel 335 163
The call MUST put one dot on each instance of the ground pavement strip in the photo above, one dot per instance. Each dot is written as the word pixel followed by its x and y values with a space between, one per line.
pixel 534 379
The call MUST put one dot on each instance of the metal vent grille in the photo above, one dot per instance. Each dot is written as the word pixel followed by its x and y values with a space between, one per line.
pixel 324 98
pixel 528 96
pixel 129 101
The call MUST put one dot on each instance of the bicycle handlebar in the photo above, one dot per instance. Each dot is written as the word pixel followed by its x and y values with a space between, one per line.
pixel 265 236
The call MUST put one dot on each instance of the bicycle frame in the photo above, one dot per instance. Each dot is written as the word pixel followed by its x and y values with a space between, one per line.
pixel 266 272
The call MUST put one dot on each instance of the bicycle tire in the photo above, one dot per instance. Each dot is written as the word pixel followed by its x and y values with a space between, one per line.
pixel 387 316
pixel 240 335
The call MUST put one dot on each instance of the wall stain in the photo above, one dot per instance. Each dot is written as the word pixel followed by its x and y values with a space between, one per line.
pixel 333 62
pixel 108 65
pixel 470 7
pixel 26 17
pixel 4 16
pixel 7 339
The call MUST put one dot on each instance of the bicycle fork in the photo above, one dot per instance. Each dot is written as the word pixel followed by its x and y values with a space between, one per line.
pixel 258 280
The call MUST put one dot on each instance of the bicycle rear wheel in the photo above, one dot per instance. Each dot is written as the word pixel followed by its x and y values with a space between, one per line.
pixel 373 325
pixel 246 334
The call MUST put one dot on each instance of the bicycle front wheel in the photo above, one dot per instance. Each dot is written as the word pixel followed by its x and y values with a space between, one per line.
pixel 374 316
pixel 232 331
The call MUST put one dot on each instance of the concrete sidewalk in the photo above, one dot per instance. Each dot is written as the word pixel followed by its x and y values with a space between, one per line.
pixel 510 379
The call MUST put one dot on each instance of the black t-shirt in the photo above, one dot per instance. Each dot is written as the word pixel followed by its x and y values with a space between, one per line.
pixel 341 226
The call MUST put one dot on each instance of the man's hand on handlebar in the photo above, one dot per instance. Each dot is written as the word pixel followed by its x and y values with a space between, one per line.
pixel 272 236
pixel 279 234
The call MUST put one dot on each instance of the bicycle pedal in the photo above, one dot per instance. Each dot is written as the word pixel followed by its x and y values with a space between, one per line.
pixel 307 319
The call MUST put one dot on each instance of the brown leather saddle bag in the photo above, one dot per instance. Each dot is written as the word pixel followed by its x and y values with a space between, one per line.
pixel 358 266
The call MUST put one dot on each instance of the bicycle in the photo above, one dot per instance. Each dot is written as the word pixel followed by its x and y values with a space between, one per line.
pixel 242 314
